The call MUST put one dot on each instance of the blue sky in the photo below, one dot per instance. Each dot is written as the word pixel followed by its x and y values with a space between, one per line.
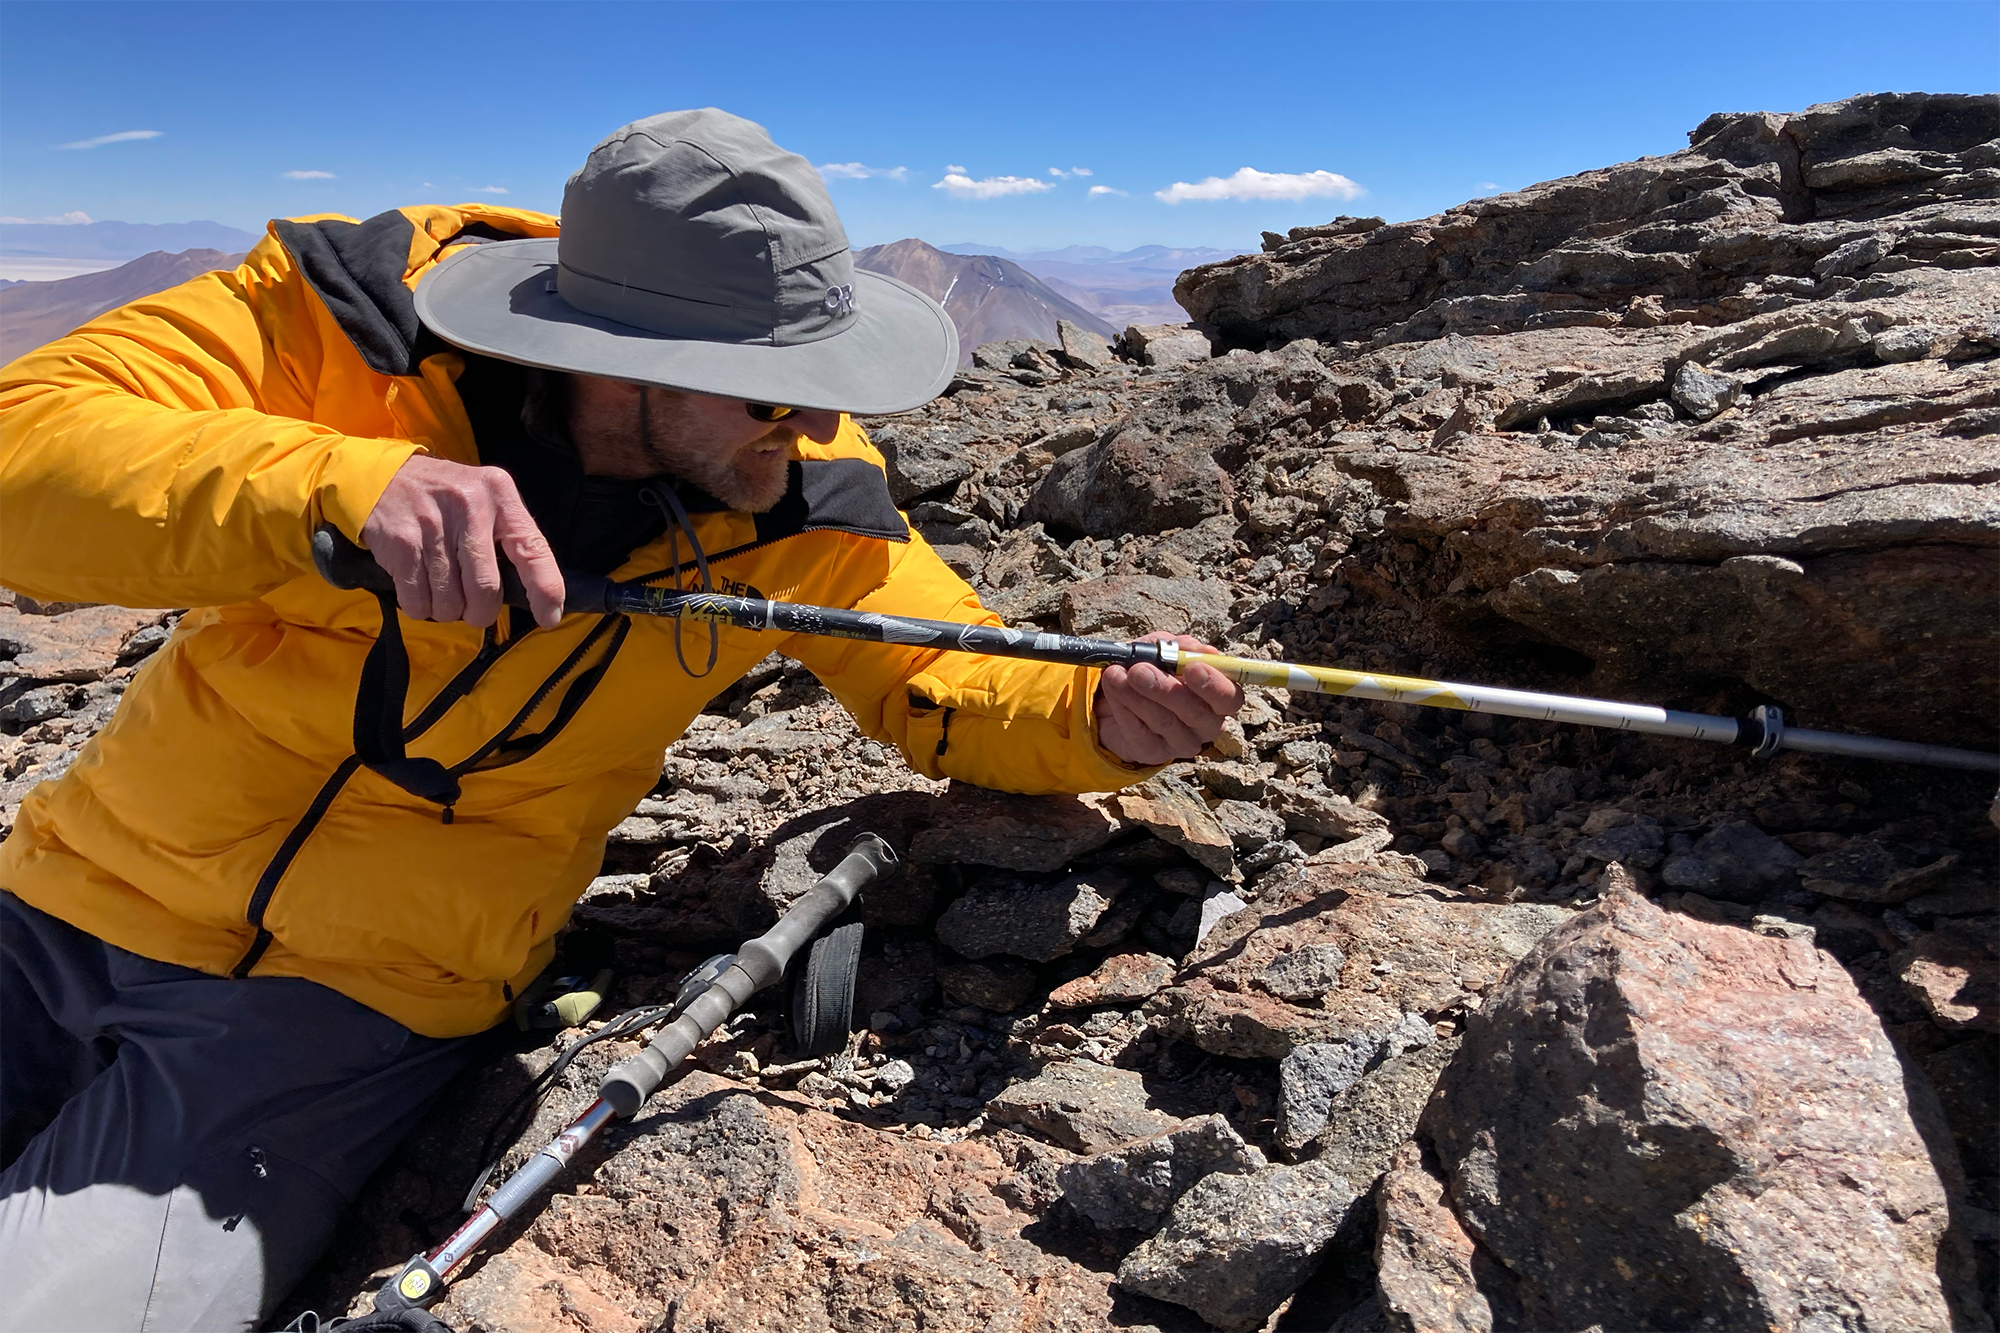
pixel 262 110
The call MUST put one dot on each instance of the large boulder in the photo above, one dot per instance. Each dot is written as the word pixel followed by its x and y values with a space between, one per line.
pixel 1655 1122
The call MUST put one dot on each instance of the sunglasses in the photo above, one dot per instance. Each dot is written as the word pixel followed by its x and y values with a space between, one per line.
pixel 768 411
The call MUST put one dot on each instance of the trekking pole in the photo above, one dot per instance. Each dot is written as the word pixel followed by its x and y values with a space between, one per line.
pixel 1764 732
pixel 709 995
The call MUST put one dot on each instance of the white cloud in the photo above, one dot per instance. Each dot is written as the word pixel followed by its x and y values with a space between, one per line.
pixel 961 186
pixel 73 218
pixel 490 189
pixel 1487 185
pixel 310 176
pixel 123 136
pixel 1059 173
pixel 1097 190
pixel 859 171
pixel 1250 183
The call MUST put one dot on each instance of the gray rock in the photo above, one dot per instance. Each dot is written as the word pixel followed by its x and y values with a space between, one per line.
pixel 1165 345
pixel 1132 1186
pixel 1085 1107
pixel 1217 904
pixel 1082 348
pixel 1025 919
pixel 1702 393
pixel 926 463
pixel 1739 862
pixel 1249 826
pixel 1313 1076
pixel 1235 1246
pixel 1909 342
pixel 1131 481
pixel 1304 975
pixel 1573 251
pixel 1854 256
pixel 1318 811
pixel 37 705
pixel 1030 833
pixel 1365 1124
pixel 1868 871
pixel 1001 985
pixel 1635 844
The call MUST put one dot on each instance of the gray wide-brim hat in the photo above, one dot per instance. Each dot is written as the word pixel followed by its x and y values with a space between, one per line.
pixel 695 254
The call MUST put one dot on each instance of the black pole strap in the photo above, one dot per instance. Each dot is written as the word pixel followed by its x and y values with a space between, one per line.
pixel 385 675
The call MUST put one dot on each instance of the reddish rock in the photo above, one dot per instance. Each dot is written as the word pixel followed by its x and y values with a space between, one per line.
pixel 724 1208
pixel 1423 1258
pixel 1656 1122
pixel 1956 981
pixel 75 647
pixel 1175 813
pixel 1120 978
pixel 1125 606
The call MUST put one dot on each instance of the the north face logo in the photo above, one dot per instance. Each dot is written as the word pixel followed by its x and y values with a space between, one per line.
pixel 839 300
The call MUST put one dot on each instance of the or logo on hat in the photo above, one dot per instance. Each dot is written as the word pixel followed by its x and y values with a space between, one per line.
pixel 840 300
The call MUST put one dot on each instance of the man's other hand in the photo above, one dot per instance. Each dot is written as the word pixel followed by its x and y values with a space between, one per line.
pixel 436 529
pixel 1147 717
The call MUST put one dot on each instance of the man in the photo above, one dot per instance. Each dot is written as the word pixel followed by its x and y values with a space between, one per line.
pixel 249 933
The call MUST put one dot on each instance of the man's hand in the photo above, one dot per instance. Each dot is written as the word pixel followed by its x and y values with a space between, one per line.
pixel 436 529
pixel 1147 717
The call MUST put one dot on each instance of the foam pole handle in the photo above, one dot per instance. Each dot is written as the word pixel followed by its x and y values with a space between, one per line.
pixel 760 962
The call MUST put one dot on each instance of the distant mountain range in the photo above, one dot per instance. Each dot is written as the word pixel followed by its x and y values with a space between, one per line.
pixel 988 298
pixel 32 313
pixel 118 240
pixel 1120 286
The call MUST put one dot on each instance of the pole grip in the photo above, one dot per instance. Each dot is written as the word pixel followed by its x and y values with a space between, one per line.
pixel 348 566
pixel 761 961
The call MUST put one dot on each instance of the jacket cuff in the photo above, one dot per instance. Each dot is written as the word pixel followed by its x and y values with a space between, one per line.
pixel 353 477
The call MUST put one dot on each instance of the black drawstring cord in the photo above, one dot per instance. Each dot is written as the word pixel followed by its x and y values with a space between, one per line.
pixel 662 497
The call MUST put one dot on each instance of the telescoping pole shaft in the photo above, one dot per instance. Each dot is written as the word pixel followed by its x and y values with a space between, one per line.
pixel 346 565
pixel 629 1083
pixel 1764 732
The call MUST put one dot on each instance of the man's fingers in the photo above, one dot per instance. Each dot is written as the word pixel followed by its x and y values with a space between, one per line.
pixel 479 574
pixel 1176 700
pixel 522 542
pixel 403 557
pixel 1218 691
pixel 441 572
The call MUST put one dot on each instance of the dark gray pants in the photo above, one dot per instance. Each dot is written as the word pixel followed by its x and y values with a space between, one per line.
pixel 176 1147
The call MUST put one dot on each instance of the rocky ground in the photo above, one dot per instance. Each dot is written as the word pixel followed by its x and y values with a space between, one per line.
pixel 1377 1016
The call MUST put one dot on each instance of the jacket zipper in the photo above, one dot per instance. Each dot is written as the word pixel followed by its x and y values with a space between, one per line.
pixel 462 684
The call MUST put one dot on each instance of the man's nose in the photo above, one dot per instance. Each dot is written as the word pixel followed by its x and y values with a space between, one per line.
pixel 819 427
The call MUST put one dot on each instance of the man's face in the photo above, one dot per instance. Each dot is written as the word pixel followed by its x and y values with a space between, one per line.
pixel 711 442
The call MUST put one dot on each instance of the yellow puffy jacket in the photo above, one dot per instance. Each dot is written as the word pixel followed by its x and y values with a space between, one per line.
pixel 180 450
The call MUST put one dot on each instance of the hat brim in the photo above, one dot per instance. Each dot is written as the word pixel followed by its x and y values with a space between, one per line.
pixel 499 300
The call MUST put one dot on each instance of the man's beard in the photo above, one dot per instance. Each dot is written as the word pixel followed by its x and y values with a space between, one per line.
pixel 749 481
